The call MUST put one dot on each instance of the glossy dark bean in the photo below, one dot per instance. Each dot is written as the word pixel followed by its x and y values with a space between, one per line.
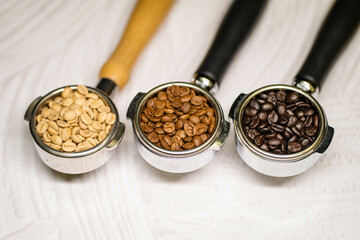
pixel 249 111
pixel 262 125
pixel 270 135
pixel 267 107
pixel 299 125
pixel 316 121
pixel 278 127
pixel 309 112
pixel 308 121
pixel 272 99
pixel 292 121
pixel 304 142
pixel 274 142
pixel 263 96
pixel 255 104
pixel 299 112
pixel 259 140
pixel 283 120
pixel 272 118
pixel 281 95
pixel 296 131
pixel 311 131
pixel 292 97
pixel 264 130
pixel 264 147
pixel 254 123
pixel 252 133
pixel 263 115
pixel 294 147
pixel 293 139
pixel 246 120
pixel 281 109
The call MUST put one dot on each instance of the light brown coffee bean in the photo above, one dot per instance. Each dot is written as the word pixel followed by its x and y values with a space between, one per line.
pixel 169 127
pixel 188 145
pixel 197 141
pixel 197 100
pixel 194 119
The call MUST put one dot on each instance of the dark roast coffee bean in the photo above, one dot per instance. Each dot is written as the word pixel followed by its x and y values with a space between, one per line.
pixel 250 111
pixel 246 120
pixel 262 125
pixel 272 99
pixel 294 147
pixel 281 95
pixel 296 131
pixel 293 139
pixel 281 109
pixel 272 117
pixel 304 142
pixel 254 123
pixel 283 120
pixel 283 146
pixel 278 127
pixel 264 147
pixel 259 140
pixel 267 107
pixel 274 142
pixel 309 112
pixel 292 121
pixel 263 96
pixel 264 130
pixel 308 121
pixel 316 121
pixel 311 131
pixel 255 104
pixel 299 112
pixel 262 116
pixel 270 135
pixel 286 116
pixel 292 98
pixel 278 151
pixel 252 133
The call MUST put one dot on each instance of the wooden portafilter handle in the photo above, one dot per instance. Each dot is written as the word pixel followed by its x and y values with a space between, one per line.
pixel 143 23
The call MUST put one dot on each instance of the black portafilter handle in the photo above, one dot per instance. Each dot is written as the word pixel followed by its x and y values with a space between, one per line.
pixel 106 85
pixel 235 27
pixel 336 30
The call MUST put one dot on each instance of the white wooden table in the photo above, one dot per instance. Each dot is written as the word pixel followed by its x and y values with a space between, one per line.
pixel 46 44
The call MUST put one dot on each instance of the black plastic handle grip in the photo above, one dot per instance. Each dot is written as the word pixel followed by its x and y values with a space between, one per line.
pixel 336 30
pixel 234 29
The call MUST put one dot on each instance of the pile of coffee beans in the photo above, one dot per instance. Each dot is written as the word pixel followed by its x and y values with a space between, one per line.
pixel 282 122
pixel 178 119
pixel 74 121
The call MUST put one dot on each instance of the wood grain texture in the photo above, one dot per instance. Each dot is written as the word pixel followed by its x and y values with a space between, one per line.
pixel 47 44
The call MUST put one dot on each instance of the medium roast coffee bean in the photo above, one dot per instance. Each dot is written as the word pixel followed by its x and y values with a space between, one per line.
pixel 179 118
pixel 282 122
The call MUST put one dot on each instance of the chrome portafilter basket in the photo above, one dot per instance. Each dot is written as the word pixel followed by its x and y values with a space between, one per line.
pixel 74 162
pixel 234 29
pixel 177 161
pixel 337 28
